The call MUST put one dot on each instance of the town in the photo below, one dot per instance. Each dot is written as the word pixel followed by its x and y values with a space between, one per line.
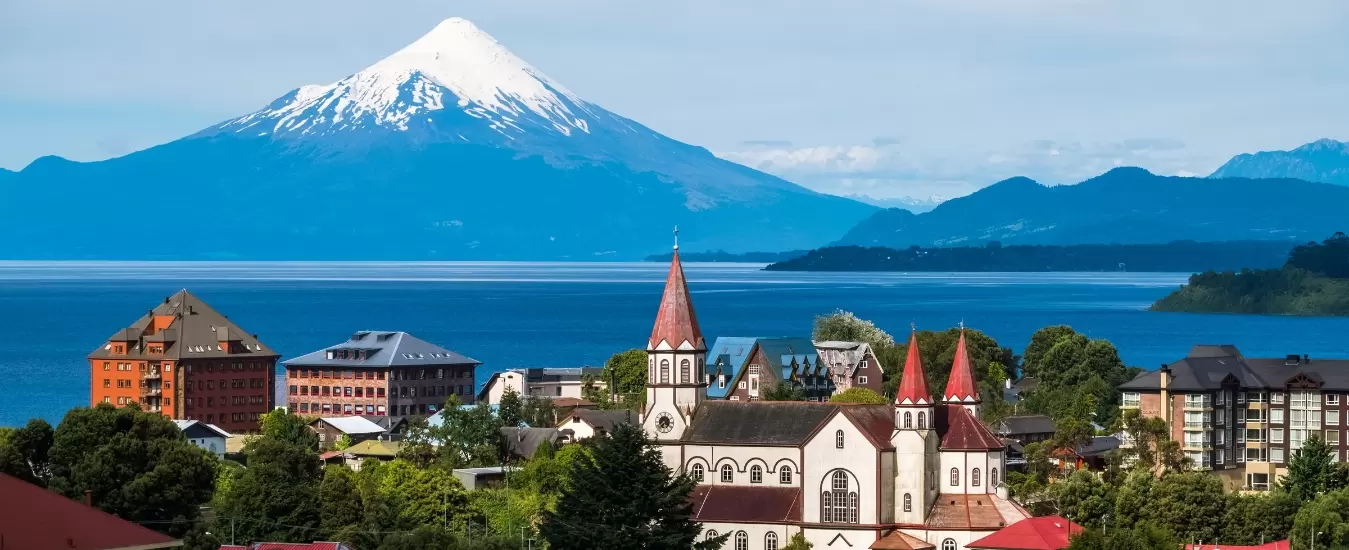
pixel 846 438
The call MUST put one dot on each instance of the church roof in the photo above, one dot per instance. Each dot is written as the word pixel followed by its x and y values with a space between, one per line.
pixel 899 540
pixel 675 321
pixel 963 432
pixel 781 423
pixel 1042 533
pixel 960 387
pixel 739 503
pixel 913 383
pixel 973 512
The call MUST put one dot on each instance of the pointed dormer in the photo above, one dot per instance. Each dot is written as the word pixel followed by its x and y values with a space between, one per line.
pixel 960 389
pixel 913 403
pixel 676 379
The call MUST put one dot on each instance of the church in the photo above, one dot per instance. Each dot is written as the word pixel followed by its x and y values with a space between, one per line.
pixel 921 473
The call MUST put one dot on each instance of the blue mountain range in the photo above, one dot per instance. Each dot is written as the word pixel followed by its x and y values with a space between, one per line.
pixel 1323 160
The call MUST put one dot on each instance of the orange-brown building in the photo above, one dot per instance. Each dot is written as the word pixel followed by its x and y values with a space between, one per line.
pixel 187 362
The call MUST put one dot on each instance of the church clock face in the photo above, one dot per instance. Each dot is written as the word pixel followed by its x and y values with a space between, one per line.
pixel 664 423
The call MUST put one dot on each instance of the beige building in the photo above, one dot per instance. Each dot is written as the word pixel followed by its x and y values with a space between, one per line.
pixel 541 382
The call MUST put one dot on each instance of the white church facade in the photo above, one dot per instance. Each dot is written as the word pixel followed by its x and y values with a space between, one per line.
pixel 917 474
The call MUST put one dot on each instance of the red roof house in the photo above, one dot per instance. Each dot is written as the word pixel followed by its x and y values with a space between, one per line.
pixel 1042 533
pixel 33 517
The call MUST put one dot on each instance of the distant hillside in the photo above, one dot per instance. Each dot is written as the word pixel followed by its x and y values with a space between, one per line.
pixel 1324 160
pixel 1181 256
pixel 724 256
pixel 912 204
pixel 1314 281
pixel 1124 205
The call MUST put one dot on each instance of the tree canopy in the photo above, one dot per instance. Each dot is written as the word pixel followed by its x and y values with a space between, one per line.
pixel 859 395
pixel 847 327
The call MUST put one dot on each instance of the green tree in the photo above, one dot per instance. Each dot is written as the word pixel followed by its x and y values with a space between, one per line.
pixel 343 443
pixel 1312 471
pixel 1191 504
pixel 136 465
pixel 466 437
pixel 1133 497
pixel 1142 538
pixel 276 497
pixel 420 496
pixel 625 497
pixel 1068 366
pixel 510 410
pixel 798 542
pixel 539 412
pixel 1257 519
pixel 1152 447
pixel 340 505
pixel 1040 344
pixel 859 395
pixel 291 428
pixel 844 326
pixel 24 451
pixel 419 443
pixel 1326 519
pixel 785 391
pixel 1083 498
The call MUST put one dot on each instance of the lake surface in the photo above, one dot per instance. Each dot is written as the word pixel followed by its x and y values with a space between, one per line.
pixel 52 314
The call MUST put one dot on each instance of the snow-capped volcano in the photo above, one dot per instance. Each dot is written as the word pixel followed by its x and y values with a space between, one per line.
pixel 456 67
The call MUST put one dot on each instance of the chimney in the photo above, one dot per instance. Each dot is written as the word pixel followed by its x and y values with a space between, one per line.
pixel 166 299
pixel 1306 359
pixel 89 498
pixel 613 387
pixel 1007 384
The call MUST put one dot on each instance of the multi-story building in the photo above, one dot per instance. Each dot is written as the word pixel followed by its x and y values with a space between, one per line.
pixel 378 373
pixel 185 360
pixel 552 383
pixel 1242 417
pixel 743 369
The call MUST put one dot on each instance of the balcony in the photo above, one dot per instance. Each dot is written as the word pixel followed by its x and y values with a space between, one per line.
pixel 151 392
pixel 1198 426
pixel 151 375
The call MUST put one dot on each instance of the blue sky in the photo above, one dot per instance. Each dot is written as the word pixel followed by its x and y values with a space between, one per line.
pixel 882 97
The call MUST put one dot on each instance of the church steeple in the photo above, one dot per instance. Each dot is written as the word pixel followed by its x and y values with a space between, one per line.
pixel 960 389
pixel 913 383
pixel 676 324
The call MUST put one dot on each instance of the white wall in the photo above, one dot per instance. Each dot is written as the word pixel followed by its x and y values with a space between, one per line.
pixel 214 445
pixel 771 459
pixel 858 456
pixel 581 428
pixel 756 532
pixel 502 381
pixel 965 463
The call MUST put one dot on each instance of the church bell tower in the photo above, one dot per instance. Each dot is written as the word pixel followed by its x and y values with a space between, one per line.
pixel 676 380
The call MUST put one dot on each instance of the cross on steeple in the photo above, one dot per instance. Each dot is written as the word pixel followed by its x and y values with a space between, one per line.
pixel 913 327
pixel 962 324
pixel 676 237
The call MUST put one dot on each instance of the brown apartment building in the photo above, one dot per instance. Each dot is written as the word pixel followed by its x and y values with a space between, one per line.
pixel 1243 417
pixel 378 373
pixel 185 360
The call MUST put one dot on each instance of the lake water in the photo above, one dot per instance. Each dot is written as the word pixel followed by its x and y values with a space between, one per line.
pixel 508 315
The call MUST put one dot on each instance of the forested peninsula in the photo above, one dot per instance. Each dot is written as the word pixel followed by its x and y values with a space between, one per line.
pixel 1313 281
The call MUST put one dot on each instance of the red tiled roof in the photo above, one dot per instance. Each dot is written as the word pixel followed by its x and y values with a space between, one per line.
pixel 960 387
pixel 675 321
pixel 913 383
pixel 972 512
pixel 33 517
pixel 1042 533
pixel 898 540
pixel 738 503
pixel 1276 545
pixel 232 547
pixel 964 432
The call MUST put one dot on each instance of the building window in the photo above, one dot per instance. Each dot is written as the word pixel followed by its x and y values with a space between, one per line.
pixel 838 439
pixel 1332 418
pixel 993 477
pixel 1130 399
pixel 1332 399
pixel 955 477
pixel 1276 455
pixel 711 534
pixel 727 474
pixel 665 371
pixel 785 475
pixel 948 544
pixel 908 420
pixel 908 502
pixel 838 504
pixel 770 541
pixel 862 380
pixel 922 420
pixel 756 474
pixel 742 384
pixel 1333 438
pixel 721 381
pixel 697 472
pixel 741 540
pixel 685 376
pixel 974 477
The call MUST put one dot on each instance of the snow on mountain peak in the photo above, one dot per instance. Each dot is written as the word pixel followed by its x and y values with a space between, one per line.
pixel 486 82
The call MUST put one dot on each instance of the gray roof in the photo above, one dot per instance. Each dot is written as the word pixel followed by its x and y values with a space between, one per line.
pixel 600 419
pixel 195 330
pixel 197 429
pixel 757 423
pixel 573 374
pixel 1098 445
pixel 383 349
pixel 522 442
pixel 1207 367
pixel 1031 424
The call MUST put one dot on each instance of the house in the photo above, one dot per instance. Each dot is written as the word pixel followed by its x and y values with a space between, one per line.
pixel 851 365
pixel 370 450
pixel 289 546
pixel 33 517
pixel 584 423
pixel 1042 533
pixel 542 382
pixel 207 436
pixel 1091 455
pixel 378 373
pixel 1014 393
pixel 775 360
pixel 482 478
pixel 524 442
pixel 921 472
pixel 1242 417
pixel 1026 429
pixel 355 428
pixel 724 362
pixel 393 425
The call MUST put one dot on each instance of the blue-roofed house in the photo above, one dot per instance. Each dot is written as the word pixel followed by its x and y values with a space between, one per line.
pixel 724 362
pixel 743 369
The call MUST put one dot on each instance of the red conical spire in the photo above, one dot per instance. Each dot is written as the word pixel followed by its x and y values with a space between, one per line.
pixel 961 385
pixel 675 321
pixel 913 383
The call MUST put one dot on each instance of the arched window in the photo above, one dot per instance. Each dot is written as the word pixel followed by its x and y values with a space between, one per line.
pixel 741 540
pixel 785 475
pixel 756 474
pixel 922 420
pixel 955 477
pixel 837 503
pixel 974 477
pixel 839 481
pixel 711 534
pixel 908 420
pixel 993 477
pixel 651 368
pixel 727 474
pixel 697 472
pixel 827 506
pixel 838 439
pixel 852 507
pixel 685 376
pixel 665 371
pixel 948 544
pixel 908 502
pixel 770 541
